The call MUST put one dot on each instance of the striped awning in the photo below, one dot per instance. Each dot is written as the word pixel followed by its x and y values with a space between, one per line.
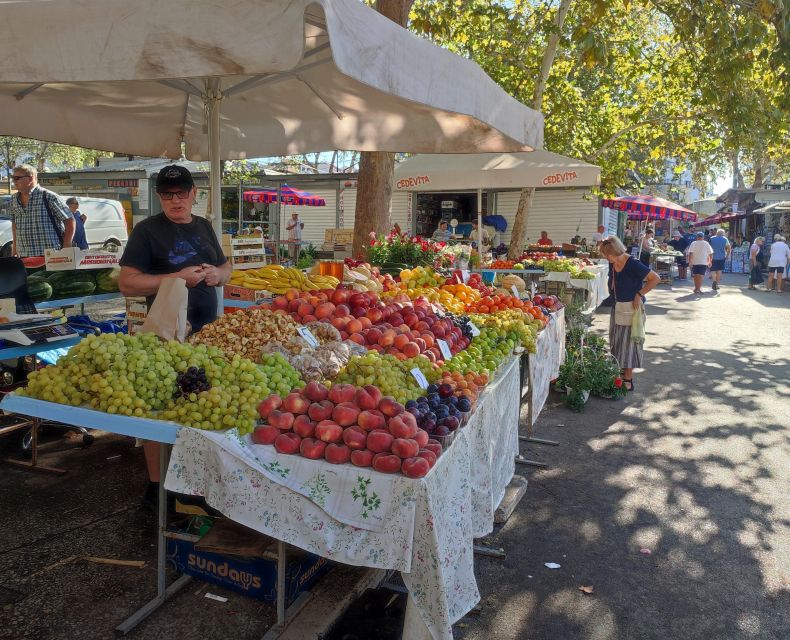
pixel 288 195
pixel 718 218
pixel 641 207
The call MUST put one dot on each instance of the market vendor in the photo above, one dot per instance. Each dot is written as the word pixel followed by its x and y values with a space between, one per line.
pixel 474 236
pixel 442 233
pixel 544 240
pixel 679 243
pixel 176 244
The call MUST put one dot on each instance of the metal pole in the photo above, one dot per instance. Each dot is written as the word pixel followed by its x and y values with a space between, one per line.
pixel 161 541
pixel 281 570
pixel 480 224
pixel 212 98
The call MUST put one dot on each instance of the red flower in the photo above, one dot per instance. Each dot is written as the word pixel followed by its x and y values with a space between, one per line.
pixel 618 382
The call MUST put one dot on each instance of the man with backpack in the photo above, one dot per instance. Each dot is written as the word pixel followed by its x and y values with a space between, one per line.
pixel 39 218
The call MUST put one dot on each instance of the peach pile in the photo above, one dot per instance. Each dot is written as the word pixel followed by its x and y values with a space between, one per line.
pixel 347 424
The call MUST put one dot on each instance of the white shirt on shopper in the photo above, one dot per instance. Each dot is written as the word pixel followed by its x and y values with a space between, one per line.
pixel 699 251
pixel 780 254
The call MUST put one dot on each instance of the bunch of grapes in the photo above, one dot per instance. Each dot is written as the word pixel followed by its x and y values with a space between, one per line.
pixel 193 380
pixel 512 320
pixel 464 324
pixel 139 375
pixel 485 353
pixel 279 375
pixel 392 376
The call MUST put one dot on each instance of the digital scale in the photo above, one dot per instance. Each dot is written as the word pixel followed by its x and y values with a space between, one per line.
pixel 27 329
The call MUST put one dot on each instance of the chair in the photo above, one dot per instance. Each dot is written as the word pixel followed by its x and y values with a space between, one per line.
pixel 13 284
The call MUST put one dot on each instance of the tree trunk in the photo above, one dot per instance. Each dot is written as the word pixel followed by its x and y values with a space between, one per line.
pixel 737 176
pixel 518 236
pixel 374 191
pixel 374 185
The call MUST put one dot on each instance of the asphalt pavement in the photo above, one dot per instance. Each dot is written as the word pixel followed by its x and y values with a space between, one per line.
pixel 670 506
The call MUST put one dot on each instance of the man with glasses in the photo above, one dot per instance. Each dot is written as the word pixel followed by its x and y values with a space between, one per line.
pixel 40 220
pixel 176 244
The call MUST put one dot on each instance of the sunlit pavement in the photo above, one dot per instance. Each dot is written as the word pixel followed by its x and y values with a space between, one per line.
pixel 673 504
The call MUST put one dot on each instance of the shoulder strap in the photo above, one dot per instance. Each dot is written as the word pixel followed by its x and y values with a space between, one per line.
pixel 60 230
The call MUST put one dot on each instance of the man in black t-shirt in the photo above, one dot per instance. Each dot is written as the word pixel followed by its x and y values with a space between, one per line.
pixel 176 244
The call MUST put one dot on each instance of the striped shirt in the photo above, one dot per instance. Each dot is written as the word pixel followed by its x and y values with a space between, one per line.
pixel 34 226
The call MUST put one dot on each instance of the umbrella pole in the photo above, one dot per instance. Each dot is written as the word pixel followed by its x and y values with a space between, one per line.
pixel 480 224
pixel 213 97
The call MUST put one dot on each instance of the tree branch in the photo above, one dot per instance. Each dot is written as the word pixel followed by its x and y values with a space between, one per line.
pixel 634 127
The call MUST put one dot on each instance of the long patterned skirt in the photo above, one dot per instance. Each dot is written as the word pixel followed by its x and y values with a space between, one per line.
pixel 629 354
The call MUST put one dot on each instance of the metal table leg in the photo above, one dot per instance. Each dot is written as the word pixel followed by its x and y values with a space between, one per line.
pixel 163 592
pixel 33 464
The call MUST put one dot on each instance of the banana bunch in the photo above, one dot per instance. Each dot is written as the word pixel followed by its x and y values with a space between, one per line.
pixel 279 279
pixel 361 279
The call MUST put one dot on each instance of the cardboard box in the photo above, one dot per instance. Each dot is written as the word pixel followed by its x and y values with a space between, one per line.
pixel 235 292
pixel 72 258
pixel 252 577
pixel 338 236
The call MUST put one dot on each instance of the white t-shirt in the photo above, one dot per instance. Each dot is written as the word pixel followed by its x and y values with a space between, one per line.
pixel 780 253
pixel 296 232
pixel 598 237
pixel 698 252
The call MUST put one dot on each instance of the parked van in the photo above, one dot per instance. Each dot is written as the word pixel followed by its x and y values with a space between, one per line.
pixel 106 222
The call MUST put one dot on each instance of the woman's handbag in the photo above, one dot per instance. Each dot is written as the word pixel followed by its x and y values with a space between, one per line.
pixel 623 311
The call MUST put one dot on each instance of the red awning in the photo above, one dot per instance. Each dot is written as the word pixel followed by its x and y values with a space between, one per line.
pixel 288 195
pixel 641 207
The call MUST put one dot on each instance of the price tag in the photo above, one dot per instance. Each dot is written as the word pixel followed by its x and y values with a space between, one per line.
pixel 308 336
pixel 419 376
pixel 465 275
pixel 532 289
pixel 515 291
pixel 444 348
pixel 473 328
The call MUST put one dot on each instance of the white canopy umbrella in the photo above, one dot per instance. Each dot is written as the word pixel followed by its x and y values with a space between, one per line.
pixel 242 80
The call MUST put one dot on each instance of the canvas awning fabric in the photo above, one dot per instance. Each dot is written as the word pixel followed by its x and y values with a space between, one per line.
pixel 469 171
pixel 718 218
pixel 288 195
pixel 289 77
pixel 642 207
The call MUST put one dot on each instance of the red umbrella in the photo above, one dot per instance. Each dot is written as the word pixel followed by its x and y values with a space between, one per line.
pixel 641 207
pixel 288 195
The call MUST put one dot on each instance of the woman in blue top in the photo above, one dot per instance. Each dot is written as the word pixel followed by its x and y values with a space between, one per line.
pixel 79 240
pixel 629 281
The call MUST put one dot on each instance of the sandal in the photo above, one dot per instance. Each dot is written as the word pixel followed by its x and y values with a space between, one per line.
pixel 629 385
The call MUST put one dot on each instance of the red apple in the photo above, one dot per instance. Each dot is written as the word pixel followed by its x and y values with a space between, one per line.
pixel 362 458
pixel 287 442
pixel 320 410
pixel 303 426
pixel 415 467
pixel 269 404
pixel 355 437
pixel 265 434
pixel 328 431
pixel 337 454
pixel 312 448
pixel 345 413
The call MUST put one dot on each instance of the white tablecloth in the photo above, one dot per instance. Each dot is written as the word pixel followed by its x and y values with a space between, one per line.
pixel 431 522
pixel 544 364
pixel 598 289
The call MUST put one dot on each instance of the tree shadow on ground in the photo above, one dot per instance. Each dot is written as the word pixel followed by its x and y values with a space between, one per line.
pixel 694 472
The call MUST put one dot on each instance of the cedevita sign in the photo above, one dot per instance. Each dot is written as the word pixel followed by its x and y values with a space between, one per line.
pixel 560 178
pixel 416 181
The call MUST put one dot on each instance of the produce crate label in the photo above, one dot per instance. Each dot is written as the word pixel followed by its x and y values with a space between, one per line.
pixel 419 376
pixel 445 349
pixel 308 336
pixel 473 328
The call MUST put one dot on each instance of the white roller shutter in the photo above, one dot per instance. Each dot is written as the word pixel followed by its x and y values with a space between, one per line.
pixel 558 211
pixel 400 212
pixel 349 195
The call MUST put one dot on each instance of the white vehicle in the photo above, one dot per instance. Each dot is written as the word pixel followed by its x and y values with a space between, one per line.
pixel 105 224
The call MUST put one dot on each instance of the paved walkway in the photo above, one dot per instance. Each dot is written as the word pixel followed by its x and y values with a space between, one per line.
pixel 694 467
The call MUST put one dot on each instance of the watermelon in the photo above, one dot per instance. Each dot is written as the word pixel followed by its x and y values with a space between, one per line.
pixel 62 281
pixel 39 289
pixel 74 289
pixel 107 280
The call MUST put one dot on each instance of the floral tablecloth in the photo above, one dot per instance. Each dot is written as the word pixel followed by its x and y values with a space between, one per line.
pixel 431 522
pixel 544 364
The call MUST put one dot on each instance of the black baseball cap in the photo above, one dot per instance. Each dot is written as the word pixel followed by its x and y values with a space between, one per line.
pixel 174 175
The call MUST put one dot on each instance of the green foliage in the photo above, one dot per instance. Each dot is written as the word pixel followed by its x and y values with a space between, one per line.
pixel 398 249
pixel 306 257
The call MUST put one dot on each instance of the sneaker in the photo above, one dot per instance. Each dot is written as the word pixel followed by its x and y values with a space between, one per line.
pixel 715 286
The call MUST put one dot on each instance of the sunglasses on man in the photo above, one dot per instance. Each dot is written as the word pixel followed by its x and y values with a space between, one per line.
pixel 15 178
pixel 169 195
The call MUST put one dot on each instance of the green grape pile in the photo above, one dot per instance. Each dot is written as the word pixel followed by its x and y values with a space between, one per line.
pixel 137 376
pixel 485 353
pixel 512 320
pixel 392 376
pixel 281 376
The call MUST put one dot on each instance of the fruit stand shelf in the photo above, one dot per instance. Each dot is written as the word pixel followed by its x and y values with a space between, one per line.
pixel 73 302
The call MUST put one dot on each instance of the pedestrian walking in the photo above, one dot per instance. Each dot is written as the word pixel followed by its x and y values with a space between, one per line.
pixel 721 249
pixel 699 256
pixel 777 263
pixel 80 239
pixel 629 281
pixel 647 247
pixel 755 274
pixel 294 229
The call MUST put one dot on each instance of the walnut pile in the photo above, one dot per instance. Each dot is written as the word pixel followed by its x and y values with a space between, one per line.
pixel 246 331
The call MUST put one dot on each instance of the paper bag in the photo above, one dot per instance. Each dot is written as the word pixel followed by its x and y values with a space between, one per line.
pixel 167 316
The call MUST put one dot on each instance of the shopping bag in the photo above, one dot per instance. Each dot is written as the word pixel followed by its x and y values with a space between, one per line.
pixel 167 316
pixel 623 314
pixel 638 326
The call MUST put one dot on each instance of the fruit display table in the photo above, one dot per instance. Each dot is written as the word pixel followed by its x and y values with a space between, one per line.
pixel 423 528
pixel 59 303
pixel 544 364
pixel 597 289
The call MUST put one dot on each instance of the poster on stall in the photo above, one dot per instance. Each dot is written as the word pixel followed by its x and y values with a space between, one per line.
pixel 143 202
